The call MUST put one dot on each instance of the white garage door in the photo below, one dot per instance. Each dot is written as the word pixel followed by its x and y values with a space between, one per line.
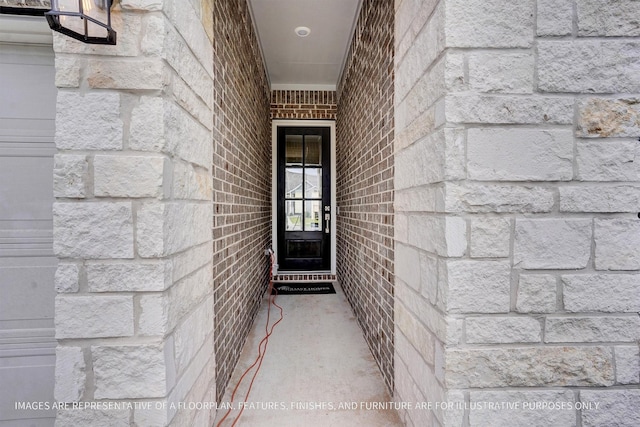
pixel 27 264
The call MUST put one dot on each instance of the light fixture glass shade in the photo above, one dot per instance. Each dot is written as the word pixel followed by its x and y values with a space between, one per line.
pixel 86 20
pixel 302 31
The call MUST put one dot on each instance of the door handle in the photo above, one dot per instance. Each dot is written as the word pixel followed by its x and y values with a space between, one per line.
pixel 327 219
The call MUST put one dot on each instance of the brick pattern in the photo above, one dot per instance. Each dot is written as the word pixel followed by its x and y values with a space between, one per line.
pixel 241 182
pixel 365 172
pixel 132 219
pixel 303 104
pixel 306 278
pixel 516 209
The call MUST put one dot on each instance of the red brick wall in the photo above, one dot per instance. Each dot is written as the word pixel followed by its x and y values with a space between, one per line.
pixel 365 172
pixel 241 182
pixel 303 104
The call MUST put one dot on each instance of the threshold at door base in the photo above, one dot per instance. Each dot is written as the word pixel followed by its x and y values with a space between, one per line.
pixel 304 277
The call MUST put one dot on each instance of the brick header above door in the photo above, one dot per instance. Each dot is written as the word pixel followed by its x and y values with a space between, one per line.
pixel 303 104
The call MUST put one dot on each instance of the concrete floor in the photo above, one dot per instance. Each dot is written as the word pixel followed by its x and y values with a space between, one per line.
pixel 318 370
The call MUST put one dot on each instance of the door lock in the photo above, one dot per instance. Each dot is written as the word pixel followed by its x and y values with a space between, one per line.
pixel 327 219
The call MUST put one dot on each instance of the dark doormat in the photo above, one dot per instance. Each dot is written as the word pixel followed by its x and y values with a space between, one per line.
pixel 302 288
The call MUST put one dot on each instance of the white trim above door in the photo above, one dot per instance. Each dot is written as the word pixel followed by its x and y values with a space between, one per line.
pixel 25 29
pixel 274 184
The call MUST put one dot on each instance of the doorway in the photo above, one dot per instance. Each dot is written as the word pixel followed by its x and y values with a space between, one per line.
pixel 304 181
pixel 27 260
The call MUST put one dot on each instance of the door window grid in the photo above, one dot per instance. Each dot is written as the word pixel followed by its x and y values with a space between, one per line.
pixel 303 182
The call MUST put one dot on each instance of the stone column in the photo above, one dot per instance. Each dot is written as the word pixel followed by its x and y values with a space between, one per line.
pixel 517 195
pixel 133 217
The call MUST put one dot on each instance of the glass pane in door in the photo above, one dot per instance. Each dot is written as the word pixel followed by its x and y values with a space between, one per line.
pixel 294 215
pixel 312 183
pixel 313 150
pixel 293 183
pixel 312 215
pixel 293 150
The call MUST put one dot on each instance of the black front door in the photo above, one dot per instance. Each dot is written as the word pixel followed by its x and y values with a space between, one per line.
pixel 304 195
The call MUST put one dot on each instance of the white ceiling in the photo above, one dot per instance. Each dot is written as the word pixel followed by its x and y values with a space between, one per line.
pixel 313 62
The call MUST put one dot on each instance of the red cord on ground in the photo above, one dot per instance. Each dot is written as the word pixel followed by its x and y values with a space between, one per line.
pixel 261 351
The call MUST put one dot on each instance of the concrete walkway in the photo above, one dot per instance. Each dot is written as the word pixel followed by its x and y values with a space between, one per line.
pixel 318 370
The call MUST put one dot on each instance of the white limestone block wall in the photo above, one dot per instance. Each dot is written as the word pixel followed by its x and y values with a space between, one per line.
pixel 517 198
pixel 132 219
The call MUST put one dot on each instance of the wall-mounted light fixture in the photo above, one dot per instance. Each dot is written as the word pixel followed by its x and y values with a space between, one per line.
pixel 83 20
